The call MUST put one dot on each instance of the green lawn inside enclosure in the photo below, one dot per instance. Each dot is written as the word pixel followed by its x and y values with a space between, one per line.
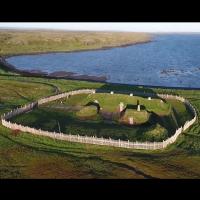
pixel 30 156
pixel 111 103
pixel 75 115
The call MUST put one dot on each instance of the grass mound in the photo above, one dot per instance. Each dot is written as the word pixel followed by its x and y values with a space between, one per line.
pixel 87 111
pixel 157 133
pixel 138 117
pixel 181 112
pixel 110 103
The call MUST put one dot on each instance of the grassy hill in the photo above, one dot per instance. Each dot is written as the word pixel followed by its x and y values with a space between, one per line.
pixel 19 42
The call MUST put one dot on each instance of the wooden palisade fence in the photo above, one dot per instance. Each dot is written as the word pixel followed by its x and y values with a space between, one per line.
pixel 94 140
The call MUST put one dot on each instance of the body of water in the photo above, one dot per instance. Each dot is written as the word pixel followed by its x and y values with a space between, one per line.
pixel 169 60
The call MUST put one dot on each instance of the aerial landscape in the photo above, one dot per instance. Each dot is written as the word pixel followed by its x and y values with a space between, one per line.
pixel 99 103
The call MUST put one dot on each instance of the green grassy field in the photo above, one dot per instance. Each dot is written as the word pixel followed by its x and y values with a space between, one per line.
pixel 28 156
pixel 16 42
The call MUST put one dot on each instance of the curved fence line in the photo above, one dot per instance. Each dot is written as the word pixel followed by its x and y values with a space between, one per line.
pixel 94 140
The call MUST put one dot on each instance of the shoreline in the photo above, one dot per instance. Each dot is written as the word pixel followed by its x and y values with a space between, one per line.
pixel 66 74
pixel 78 50
pixel 12 68
pixel 39 75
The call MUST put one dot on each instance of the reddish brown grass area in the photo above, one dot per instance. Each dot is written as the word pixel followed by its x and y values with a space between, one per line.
pixel 15 132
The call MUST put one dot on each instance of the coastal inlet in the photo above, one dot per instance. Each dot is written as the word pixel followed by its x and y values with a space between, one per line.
pixel 168 60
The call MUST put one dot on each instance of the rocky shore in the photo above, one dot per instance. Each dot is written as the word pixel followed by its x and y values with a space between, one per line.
pixel 56 74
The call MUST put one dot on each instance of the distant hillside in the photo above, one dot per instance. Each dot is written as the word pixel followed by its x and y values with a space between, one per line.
pixel 21 41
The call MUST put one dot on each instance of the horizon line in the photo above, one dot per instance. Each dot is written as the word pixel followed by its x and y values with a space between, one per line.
pixel 90 30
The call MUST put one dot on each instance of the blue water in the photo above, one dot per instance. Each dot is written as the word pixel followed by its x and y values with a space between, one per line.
pixel 142 64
